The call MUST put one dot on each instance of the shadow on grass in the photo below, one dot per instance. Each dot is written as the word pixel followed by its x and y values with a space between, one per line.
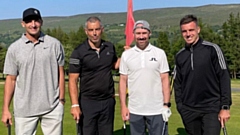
pixel 121 131
pixel 181 131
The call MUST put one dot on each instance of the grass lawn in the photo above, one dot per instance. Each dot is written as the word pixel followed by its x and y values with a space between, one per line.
pixel 235 83
pixel 175 123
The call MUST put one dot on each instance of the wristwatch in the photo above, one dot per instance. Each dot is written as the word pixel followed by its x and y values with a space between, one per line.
pixel 62 100
pixel 167 104
pixel 225 107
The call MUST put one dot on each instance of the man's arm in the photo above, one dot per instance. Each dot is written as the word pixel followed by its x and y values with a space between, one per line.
pixel 224 83
pixel 8 94
pixel 61 84
pixel 165 87
pixel 177 87
pixel 73 92
pixel 166 112
pixel 225 88
pixel 122 96
pixel 116 64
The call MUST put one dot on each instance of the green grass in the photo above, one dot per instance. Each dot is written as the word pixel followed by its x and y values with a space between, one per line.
pixel 235 83
pixel 175 123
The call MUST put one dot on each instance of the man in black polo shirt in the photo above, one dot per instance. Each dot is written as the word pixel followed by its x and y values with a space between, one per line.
pixel 92 62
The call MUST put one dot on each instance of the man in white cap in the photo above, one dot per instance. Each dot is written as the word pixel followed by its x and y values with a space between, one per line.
pixel 144 70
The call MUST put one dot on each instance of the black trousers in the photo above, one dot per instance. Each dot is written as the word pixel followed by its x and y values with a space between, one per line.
pixel 198 123
pixel 97 116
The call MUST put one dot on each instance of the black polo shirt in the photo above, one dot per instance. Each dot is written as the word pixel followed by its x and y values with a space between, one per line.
pixel 96 80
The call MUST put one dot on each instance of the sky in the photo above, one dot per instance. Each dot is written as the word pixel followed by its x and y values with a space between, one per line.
pixel 12 9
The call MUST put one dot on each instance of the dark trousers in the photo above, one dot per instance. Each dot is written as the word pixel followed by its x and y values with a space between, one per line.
pixel 197 123
pixel 97 116
pixel 154 124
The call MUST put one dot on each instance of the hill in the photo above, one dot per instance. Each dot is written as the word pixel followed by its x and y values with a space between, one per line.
pixel 160 18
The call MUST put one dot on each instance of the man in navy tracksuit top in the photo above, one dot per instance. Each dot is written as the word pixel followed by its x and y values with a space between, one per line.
pixel 202 82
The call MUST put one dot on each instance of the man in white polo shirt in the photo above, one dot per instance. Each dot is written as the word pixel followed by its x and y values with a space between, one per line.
pixel 144 70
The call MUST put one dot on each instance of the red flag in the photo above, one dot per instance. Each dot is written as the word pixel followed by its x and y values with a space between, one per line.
pixel 129 24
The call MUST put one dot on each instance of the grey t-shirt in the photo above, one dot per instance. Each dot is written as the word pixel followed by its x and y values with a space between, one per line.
pixel 37 69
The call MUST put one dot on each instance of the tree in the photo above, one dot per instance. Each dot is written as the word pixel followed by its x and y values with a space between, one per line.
pixel 119 49
pixel 73 40
pixel 231 35
pixel 207 33
pixel 177 44
pixel 3 52
pixel 163 43
pixel 63 38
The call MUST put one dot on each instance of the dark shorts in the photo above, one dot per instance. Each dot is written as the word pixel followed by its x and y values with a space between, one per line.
pixel 97 116
pixel 154 124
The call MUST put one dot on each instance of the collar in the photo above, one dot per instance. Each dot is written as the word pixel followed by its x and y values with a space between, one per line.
pixel 40 38
pixel 200 40
pixel 89 47
pixel 147 49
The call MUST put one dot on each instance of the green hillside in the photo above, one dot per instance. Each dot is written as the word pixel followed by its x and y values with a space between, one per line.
pixel 160 18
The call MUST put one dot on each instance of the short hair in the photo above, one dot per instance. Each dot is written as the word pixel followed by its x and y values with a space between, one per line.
pixel 188 18
pixel 93 19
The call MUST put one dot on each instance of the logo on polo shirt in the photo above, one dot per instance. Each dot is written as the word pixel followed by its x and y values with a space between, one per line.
pixel 108 53
pixel 153 59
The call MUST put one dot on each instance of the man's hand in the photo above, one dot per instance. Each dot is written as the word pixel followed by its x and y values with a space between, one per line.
pixel 6 118
pixel 224 116
pixel 76 113
pixel 126 47
pixel 166 113
pixel 125 113
pixel 62 100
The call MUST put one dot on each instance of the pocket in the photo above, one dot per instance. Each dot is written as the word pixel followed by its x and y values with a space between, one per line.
pixel 179 107
pixel 60 106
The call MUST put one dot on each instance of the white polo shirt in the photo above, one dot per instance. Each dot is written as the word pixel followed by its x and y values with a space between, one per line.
pixel 143 68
